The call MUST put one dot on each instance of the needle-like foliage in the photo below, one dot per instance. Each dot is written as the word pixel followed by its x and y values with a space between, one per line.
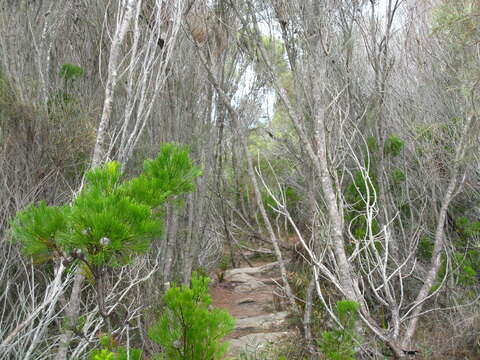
pixel 38 227
pixel 111 220
pixel 188 329
pixel 170 173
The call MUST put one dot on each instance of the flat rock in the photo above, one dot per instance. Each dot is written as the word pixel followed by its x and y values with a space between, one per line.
pixel 230 275
pixel 251 285
pixel 246 281
pixel 240 278
pixel 253 342
pixel 262 322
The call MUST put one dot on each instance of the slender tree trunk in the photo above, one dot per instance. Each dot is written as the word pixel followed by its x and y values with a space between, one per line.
pixel 171 242
pixel 100 151
pixel 319 73
pixel 199 219
pixel 188 251
pixel 71 315
pixel 307 319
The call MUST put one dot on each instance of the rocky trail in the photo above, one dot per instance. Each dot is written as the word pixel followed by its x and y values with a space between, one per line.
pixel 250 295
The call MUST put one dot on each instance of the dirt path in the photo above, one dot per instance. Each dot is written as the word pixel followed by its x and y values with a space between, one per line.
pixel 249 296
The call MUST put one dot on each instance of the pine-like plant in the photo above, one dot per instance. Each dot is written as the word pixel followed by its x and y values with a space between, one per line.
pixel 108 224
pixel 170 173
pixel 111 220
pixel 340 343
pixel 188 329
pixel 38 227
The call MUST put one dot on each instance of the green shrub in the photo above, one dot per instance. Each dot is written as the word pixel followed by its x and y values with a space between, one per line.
pixel 289 196
pixel 71 72
pixel 111 220
pixel 170 173
pixel 359 194
pixel 188 329
pixel 466 266
pixel 425 247
pixel 107 224
pixel 393 145
pixel 112 351
pixel 372 144
pixel 103 354
pixel 339 344
pixel 398 176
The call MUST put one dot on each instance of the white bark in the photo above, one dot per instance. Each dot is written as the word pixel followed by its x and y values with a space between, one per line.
pixel 24 339
pixel 125 17
pixel 147 73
